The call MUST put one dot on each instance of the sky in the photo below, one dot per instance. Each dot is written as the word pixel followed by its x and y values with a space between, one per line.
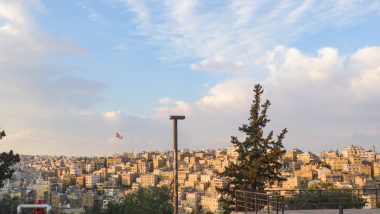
pixel 72 73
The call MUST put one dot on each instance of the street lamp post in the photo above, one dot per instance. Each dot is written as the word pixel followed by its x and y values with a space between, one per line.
pixel 175 145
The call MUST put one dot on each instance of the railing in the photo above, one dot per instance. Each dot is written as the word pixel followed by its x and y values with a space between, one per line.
pixel 254 202
pixel 329 199
pixel 276 201
pixel 33 206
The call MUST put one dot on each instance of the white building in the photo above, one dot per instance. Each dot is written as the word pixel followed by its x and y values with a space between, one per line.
pixel 369 156
pixel 75 171
pixel 193 200
pixel 206 178
pixel 232 151
pixel 350 151
pixel 92 180
pixel 352 168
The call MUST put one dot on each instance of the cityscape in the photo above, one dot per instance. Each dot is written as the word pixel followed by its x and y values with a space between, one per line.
pixel 74 184
pixel 189 107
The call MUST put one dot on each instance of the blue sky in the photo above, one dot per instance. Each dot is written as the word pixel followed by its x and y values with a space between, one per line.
pixel 74 72
pixel 119 56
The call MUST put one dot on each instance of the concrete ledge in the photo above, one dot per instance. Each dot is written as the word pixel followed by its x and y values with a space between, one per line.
pixel 335 211
pixel 326 211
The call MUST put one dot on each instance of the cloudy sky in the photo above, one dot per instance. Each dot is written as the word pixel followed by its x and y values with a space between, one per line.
pixel 72 73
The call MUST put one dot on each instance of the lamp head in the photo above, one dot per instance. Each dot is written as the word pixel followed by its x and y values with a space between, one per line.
pixel 177 117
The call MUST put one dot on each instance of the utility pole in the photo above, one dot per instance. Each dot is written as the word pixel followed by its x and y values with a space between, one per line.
pixel 175 145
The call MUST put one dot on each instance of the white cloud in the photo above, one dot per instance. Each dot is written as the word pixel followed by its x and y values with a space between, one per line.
pixel 236 33
pixel 46 108
pixel 316 69
pixel 92 14
pixel 112 115
pixel 39 99
pixel 228 94
pixel 171 107
pixel 211 120
pixel 323 100
pixel 367 83
pixel 369 57
pixel 23 134
pixel 7 28
pixel 219 64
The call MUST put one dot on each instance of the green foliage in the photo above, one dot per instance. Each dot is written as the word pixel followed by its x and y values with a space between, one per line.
pixel 7 160
pixel 324 185
pixel 330 199
pixel 9 205
pixel 258 163
pixel 145 201
pixel 96 209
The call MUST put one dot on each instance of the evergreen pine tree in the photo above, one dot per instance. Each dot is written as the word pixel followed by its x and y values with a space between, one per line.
pixel 258 163
pixel 7 160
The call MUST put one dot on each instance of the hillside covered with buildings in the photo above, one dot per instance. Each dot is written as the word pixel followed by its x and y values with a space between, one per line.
pixel 77 184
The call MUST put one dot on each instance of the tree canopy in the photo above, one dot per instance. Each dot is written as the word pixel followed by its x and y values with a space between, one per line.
pixel 153 200
pixel 258 163
pixel 324 199
pixel 7 160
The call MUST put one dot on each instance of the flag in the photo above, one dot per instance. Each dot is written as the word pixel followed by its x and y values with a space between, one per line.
pixel 118 135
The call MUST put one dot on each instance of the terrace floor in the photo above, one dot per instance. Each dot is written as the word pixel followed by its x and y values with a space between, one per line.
pixel 325 211
pixel 335 211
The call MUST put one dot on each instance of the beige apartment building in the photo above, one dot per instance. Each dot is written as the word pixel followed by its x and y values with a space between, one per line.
pixel 80 181
pixel 42 190
pixel 193 200
pixel 194 177
pixel 331 178
pixel 350 151
pixel 369 156
pixel 232 152
pixel 365 170
pixel 328 154
pixel 294 183
pixel 210 204
pixel 133 168
pixel 193 160
pixel 142 167
pixel 113 161
pixel 376 169
pixel 306 157
pixel 218 183
pixel 306 172
pixel 350 167
pixel 92 180
pixel 206 178
pixel 136 187
pixel 127 178
pixel 75 170
pixel 158 162
pixel 148 180
pixel 336 163
pixel 355 160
